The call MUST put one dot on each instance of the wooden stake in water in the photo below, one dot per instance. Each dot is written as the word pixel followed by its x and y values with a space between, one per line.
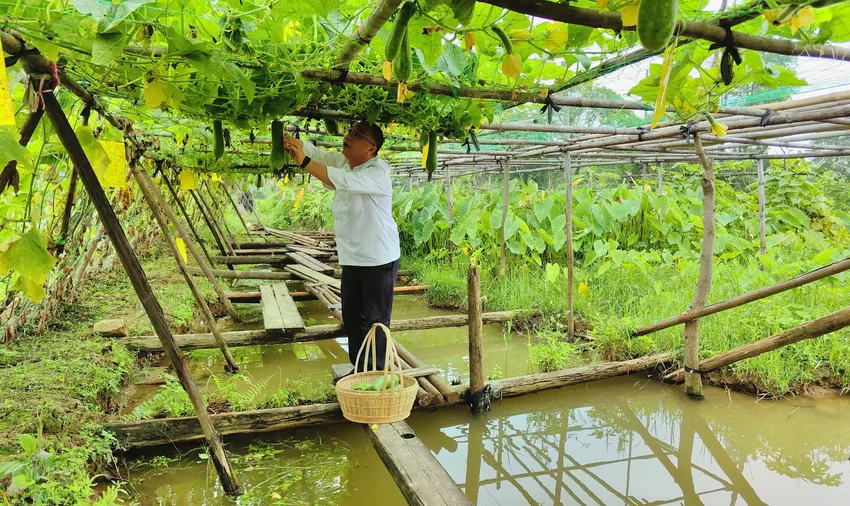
pixel 476 331
pixel 568 178
pixel 693 380
pixel 140 284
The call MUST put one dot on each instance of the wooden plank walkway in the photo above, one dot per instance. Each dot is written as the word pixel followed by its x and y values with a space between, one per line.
pixel 280 316
pixel 310 262
pixel 314 277
pixel 420 478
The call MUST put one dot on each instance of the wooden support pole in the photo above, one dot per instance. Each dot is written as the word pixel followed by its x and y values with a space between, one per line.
pixel 809 330
pixel 365 31
pixel 218 210
pixel 216 223
pixel 568 178
pixel 740 300
pixel 762 233
pixel 148 190
pixel 140 284
pixel 643 168
pixel 186 216
pixel 693 380
pixel 476 332
pixel 66 214
pixel 226 190
pixel 204 267
pixel 210 224
pixel 660 180
pixel 449 201
pixel 505 201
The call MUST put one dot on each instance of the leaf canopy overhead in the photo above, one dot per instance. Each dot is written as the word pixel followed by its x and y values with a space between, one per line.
pixel 241 60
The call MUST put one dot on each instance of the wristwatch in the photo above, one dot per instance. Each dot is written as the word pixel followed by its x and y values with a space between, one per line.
pixel 305 162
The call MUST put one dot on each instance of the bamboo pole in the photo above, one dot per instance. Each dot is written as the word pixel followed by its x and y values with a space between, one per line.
pixel 439 383
pixel 643 168
pixel 693 381
pixel 660 180
pixel 140 284
pixel 217 218
pixel 568 212
pixel 211 225
pixel 476 331
pixel 449 201
pixel 690 29
pixel 186 216
pixel 190 246
pixel 740 300
pixel 226 191
pixel 809 330
pixel 505 201
pixel 147 187
pixel 762 233
pixel 365 31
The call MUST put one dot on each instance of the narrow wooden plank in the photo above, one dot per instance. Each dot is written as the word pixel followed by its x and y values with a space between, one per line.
pixel 252 259
pixel 292 321
pixel 420 478
pixel 313 252
pixel 258 251
pixel 272 319
pixel 313 276
pixel 310 262
pixel 340 370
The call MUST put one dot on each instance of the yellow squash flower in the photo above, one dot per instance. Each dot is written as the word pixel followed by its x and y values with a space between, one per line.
pixel 718 129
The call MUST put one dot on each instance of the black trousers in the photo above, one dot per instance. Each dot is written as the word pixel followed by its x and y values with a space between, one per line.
pixel 367 298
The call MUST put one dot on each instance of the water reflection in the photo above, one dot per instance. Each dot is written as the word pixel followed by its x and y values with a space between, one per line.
pixel 613 443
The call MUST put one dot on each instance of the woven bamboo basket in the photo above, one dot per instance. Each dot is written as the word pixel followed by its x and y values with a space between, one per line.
pixel 387 405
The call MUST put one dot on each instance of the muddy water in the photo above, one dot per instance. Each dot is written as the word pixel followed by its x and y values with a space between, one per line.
pixel 622 441
pixel 444 348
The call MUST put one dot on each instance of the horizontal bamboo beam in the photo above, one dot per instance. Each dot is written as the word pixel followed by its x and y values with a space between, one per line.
pixel 690 29
pixel 809 330
pixel 254 297
pixel 313 333
pixel 520 385
pixel 167 431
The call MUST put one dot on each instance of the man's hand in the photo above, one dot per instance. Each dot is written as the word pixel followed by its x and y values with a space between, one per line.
pixel 295 148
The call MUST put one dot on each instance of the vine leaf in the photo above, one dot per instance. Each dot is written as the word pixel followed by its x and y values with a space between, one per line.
pixel 11 149
pixel 27 256
pixel 98 156
pixel 106 48
pixel 108 14
pixel 463 10
pixel 160 92
pixel 629 14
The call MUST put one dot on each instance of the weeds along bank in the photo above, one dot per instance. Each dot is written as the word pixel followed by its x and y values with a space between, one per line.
pixel 637 258
pixel 56 388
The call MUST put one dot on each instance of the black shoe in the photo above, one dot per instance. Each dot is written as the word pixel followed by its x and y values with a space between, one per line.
pixel 336 380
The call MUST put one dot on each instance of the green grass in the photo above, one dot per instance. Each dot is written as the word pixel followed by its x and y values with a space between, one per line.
pixel 619 300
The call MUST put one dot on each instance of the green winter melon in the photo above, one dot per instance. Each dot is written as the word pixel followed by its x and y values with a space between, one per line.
pixel 656 23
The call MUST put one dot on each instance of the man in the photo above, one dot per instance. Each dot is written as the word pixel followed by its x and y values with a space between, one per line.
pixel 366 234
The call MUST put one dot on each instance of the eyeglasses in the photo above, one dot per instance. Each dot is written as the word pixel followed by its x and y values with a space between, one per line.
pixel 357 135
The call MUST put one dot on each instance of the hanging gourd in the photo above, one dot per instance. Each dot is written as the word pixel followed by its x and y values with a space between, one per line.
pixel 403 67
pixel 218 139
pixel 656 22
pixel 278 155
pixel 394 43
pixel 512 66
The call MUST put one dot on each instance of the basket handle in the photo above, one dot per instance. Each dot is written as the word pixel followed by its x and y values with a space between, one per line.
pixel 392 362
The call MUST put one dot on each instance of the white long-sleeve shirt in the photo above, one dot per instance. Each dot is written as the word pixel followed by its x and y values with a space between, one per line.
pixel 366 233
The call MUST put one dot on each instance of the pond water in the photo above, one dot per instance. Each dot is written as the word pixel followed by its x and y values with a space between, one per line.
pixel 628 440
pixel 448 349
pixel 625 441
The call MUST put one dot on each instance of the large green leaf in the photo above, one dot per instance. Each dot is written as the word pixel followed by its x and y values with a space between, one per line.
pixel 463 10
pixel 106 48
pixel 26 255
pixel 11 149
pixel 108 13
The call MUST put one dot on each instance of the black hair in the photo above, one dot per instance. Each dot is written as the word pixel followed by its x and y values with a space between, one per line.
pixel 375 132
